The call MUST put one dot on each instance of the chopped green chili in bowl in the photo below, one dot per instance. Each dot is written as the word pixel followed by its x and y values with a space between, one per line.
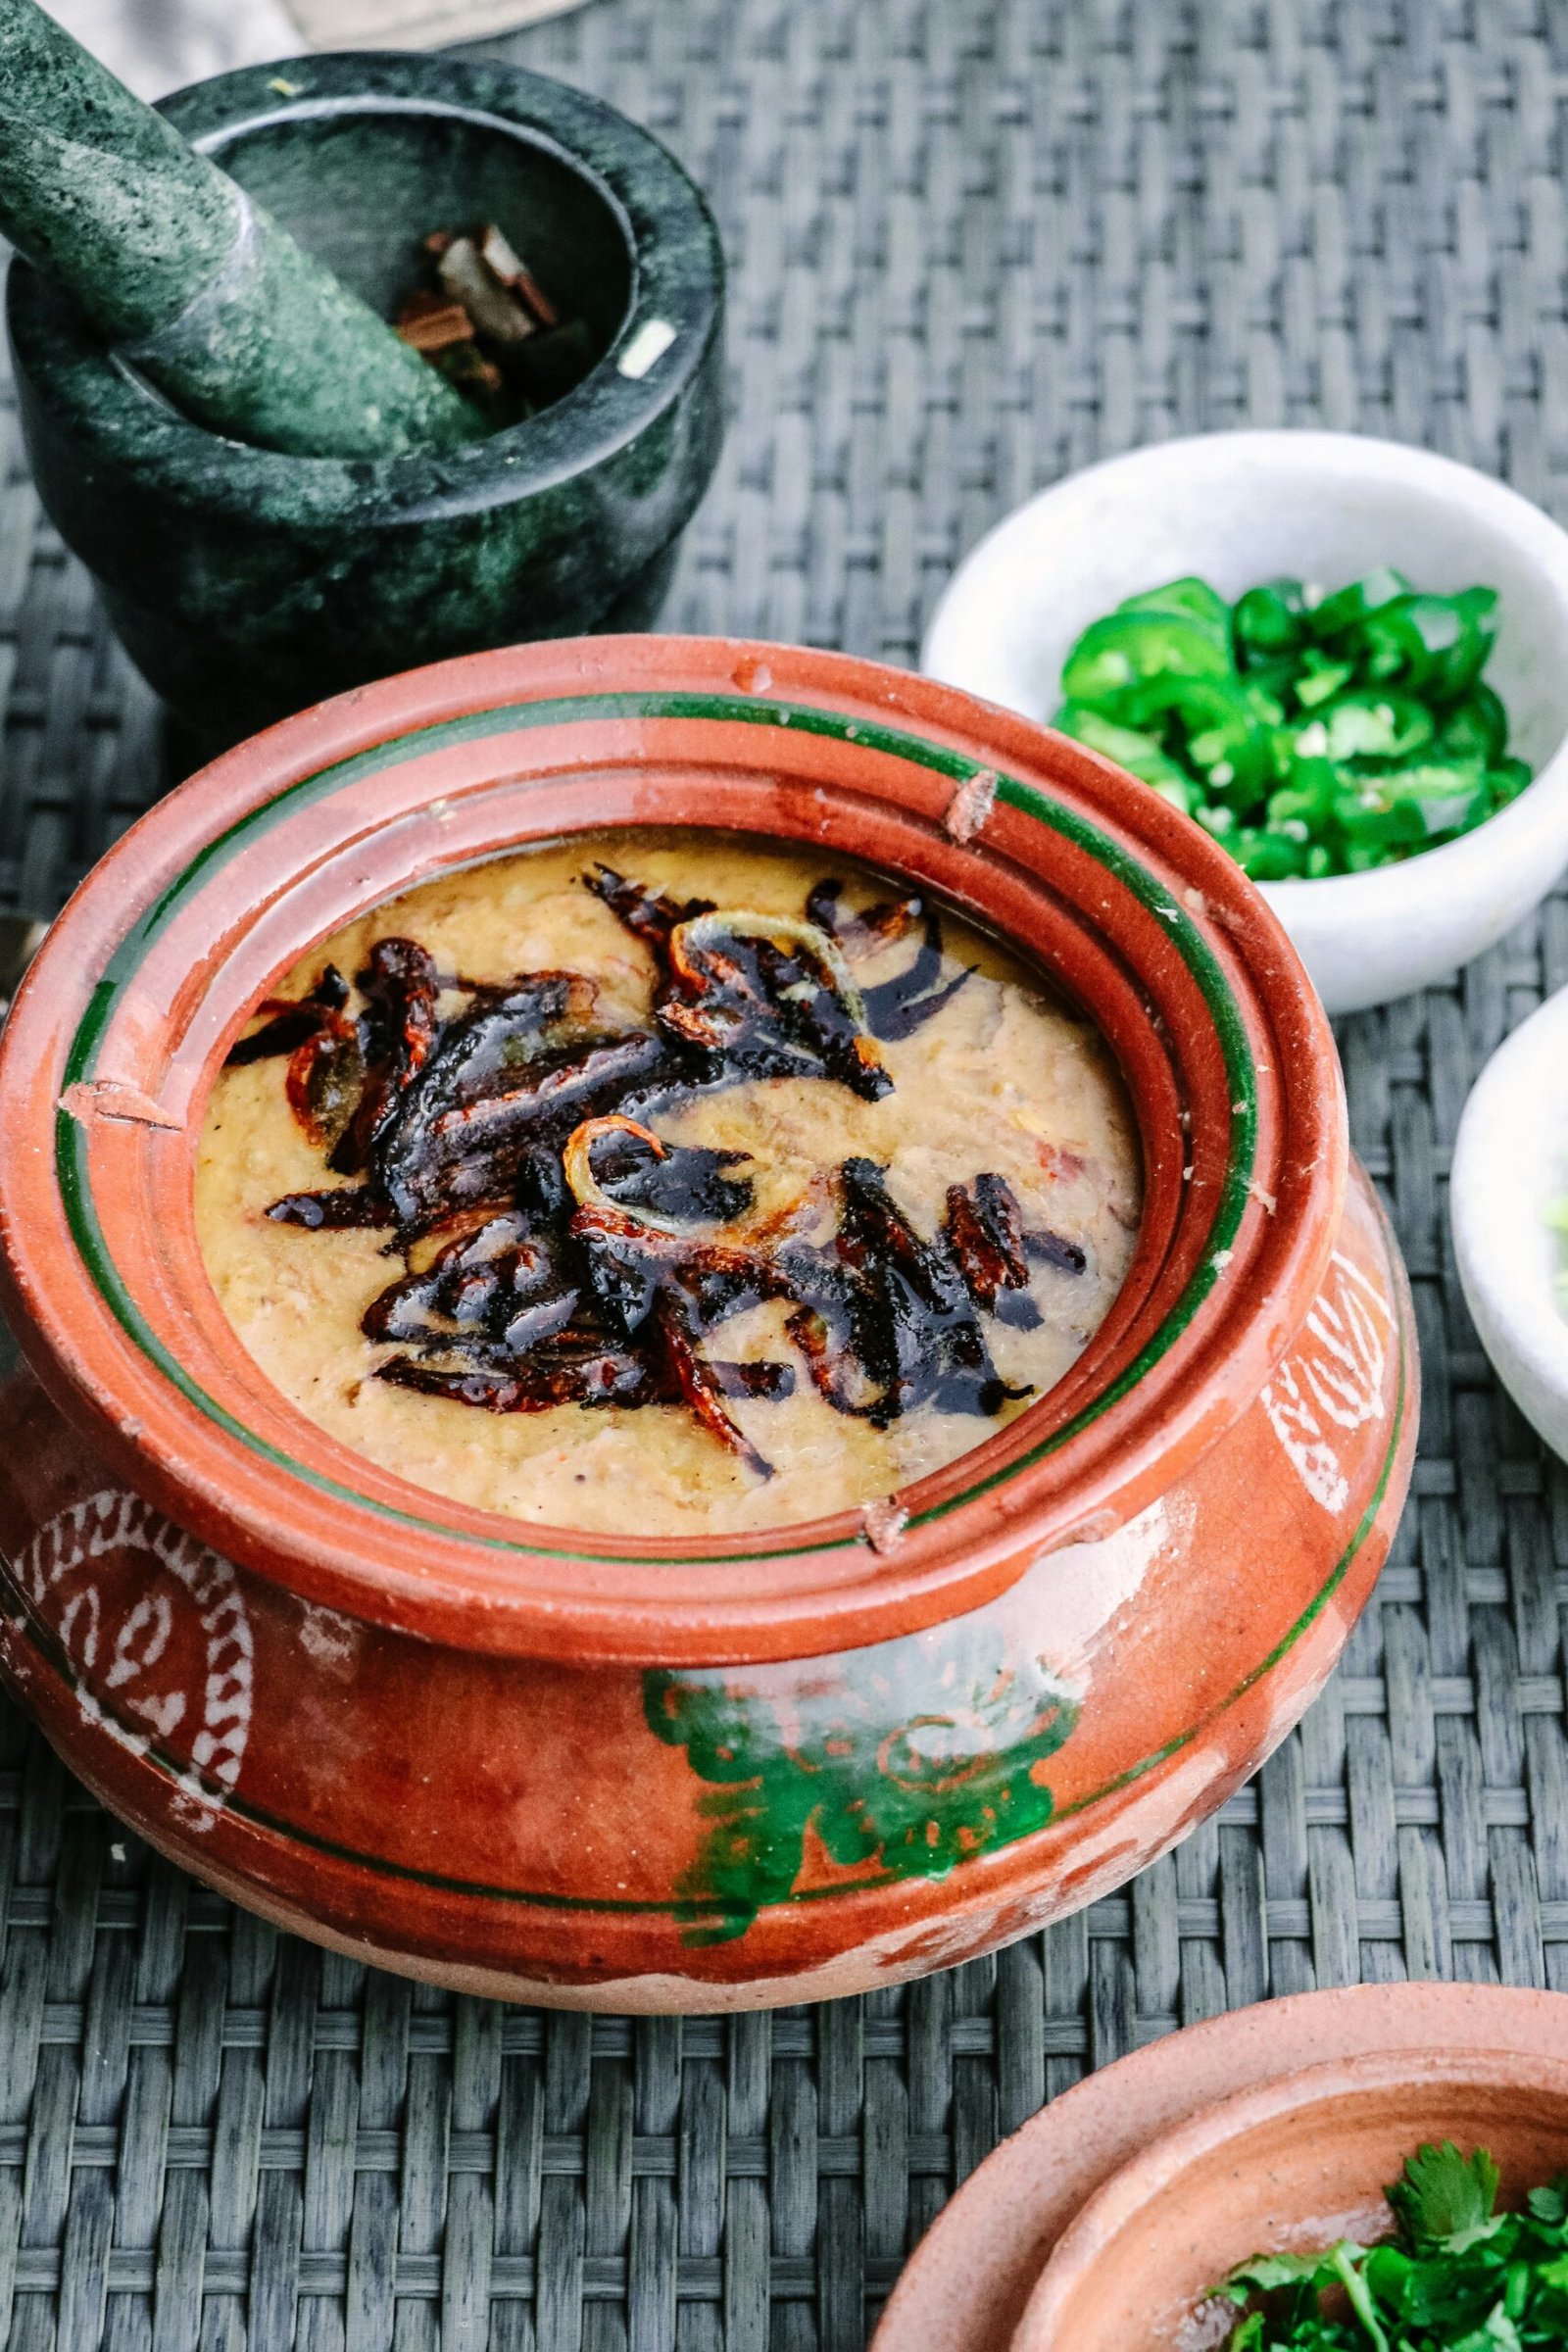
pixel 1310 734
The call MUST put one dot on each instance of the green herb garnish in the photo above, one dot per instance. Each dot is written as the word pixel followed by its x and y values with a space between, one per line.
pixel 1555 1216
pixel 1456 2277
pixel 1310 734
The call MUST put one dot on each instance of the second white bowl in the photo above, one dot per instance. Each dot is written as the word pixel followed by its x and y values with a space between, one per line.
pixel 1510 1165
pixel 1241 508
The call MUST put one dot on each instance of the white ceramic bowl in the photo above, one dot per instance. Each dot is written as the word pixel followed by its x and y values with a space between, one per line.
pixel 1510 1162
pixel 1241 508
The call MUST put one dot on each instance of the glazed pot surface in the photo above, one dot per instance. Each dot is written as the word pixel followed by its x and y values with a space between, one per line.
pixel 665 1837
pixel 663 1775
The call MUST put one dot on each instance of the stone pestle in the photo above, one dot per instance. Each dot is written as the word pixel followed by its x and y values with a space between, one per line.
pixel 192 284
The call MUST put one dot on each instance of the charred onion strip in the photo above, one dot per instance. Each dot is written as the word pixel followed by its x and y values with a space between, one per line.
pixel 862 934
pixel 296 1023
pixel 984 1230
pixel 910 1312
pixel 647 914
pixel 897 1009
pixel 297 1020
pixel 506 1047
pixel 826 1346
pixel 701 1197
pixel 333 1210
pixel 984 1226
pixel 497 1288
pixel 325 1079
pixel 651 1277
pixel 594 1377
pixel 707 931
pixel 894 1009
pixel 471 1154
pixel 326 1068
pixel 400 985
pixel 700 1384
pixel 800 987
pixel 576 1159
pixel 1051 1250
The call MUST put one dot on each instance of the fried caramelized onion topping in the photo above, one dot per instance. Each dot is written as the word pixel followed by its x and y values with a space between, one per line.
pixel 587 1261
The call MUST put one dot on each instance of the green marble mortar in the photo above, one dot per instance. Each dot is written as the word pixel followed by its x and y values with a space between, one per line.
pixel 246 584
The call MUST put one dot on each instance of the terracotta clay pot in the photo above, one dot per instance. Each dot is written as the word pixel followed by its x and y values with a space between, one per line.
pixel 1286 2168
pixel 637 1773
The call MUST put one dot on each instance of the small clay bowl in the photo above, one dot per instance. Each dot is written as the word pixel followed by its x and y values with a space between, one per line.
pixel 246 584
pixel 1286 2168
pixel 966 2285
pixel 615 1771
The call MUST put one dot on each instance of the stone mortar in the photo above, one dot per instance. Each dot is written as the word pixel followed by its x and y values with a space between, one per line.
pixel 246 584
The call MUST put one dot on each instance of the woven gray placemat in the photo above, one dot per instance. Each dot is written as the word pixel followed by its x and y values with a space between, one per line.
pixel 972 246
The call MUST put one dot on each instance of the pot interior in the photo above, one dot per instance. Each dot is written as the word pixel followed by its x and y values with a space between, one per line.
pixel 875 1185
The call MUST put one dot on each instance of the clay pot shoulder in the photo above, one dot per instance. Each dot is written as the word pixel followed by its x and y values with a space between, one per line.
pixel 644 1774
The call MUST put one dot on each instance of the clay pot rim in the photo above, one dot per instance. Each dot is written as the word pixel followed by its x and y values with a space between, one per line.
pixel 392 1552
pixel 663 220
pixel 1093 2234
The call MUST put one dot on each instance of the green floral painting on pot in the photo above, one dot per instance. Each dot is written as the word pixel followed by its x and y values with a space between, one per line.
pixel 918 1755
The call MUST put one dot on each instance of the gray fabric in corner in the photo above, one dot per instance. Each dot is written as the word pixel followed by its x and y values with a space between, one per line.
pixel 159 46
pixel 414 24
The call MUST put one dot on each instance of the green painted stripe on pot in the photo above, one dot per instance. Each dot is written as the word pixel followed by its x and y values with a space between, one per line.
pixel 719 709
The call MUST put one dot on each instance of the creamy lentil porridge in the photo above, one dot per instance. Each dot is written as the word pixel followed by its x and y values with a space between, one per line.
pixel 664 1183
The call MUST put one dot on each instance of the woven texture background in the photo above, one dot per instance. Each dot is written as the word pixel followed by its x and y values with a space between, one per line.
pixel 973 245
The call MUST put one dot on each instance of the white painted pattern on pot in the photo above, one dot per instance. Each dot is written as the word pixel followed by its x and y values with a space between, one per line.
pixel 1335 1381
pixel 154 1630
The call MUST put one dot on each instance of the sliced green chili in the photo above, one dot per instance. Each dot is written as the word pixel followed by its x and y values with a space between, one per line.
pixel 1126 649
pixel 1139 754
pixel 1311 734
pixel 1271 618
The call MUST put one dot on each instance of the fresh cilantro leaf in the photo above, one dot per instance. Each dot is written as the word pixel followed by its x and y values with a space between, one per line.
pixel 1396 2281
pixel 1550 2204
pixel 1444 2199
pixel 1267 2272
pixel 1456 2277
pixel 1360 2294
pixel 1497 2333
